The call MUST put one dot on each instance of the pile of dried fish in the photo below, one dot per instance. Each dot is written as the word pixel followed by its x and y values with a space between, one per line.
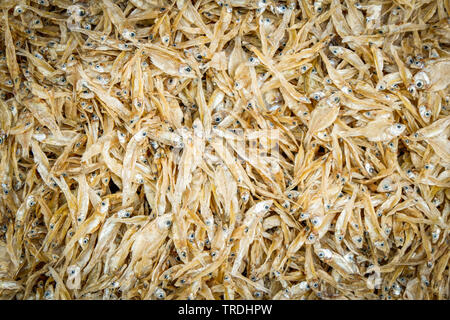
pixel 228 149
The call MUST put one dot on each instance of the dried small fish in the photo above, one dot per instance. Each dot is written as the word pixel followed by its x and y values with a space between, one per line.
pixel 224 149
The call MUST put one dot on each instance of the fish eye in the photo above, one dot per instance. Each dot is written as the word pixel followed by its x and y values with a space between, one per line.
pixel 168 223
pixel 304 68
pixel 257 294
pixel 321 255
pixel 427 114
pixel 188 69
pixel 419 84
pixel 132 34
pixel 266 207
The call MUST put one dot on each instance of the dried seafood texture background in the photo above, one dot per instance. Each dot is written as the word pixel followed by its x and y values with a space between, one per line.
pixel 224 149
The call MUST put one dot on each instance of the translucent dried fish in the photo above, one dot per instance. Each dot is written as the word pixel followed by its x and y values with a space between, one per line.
pixel 224 149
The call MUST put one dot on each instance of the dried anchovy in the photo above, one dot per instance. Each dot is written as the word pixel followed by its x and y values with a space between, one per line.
pixel 224 149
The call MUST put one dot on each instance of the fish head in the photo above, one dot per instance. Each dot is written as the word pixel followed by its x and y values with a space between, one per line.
pixel 421 80
pixel 263 207
pixel 335 50
pixel 164 222
pixel 397 129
